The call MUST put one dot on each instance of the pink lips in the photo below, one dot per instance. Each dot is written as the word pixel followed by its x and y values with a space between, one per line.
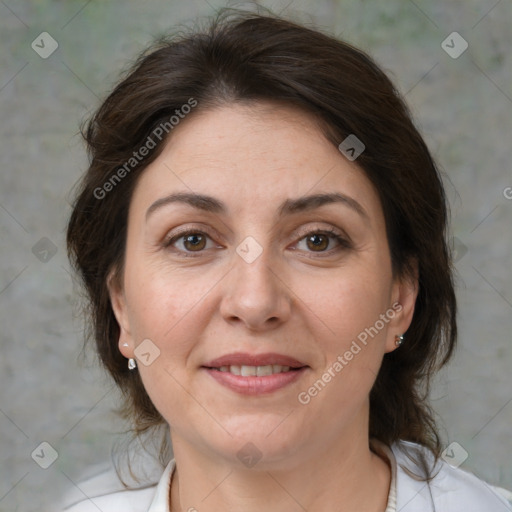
pixel 241 358
pixel 254 385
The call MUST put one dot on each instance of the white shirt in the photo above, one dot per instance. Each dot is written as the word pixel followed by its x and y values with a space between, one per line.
pixel 451 490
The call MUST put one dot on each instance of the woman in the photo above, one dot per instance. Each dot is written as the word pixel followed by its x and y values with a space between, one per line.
pixel 261 234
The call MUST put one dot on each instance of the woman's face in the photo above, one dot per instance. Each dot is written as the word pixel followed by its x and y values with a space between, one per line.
pixel 240 275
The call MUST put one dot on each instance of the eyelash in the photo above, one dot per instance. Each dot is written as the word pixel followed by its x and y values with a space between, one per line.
pixel 331 233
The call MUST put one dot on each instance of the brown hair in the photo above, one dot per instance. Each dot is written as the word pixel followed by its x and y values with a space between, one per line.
pixel 245 57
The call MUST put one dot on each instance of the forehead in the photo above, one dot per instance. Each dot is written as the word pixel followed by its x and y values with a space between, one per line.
pixel 246 154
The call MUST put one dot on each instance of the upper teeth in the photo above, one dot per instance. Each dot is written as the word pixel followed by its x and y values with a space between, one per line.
pixel 257 371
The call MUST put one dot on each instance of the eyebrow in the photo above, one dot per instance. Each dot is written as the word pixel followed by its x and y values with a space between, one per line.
pixel 289 206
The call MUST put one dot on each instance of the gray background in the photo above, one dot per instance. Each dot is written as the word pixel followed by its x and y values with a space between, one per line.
pixel 463 107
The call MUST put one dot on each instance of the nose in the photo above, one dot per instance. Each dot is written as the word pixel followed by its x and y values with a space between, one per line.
pixel 255 294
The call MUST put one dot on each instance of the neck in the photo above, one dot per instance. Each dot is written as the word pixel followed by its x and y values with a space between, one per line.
pixel 342 477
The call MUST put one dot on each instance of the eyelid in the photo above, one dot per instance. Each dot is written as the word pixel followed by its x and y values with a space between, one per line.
pixel 194 228
pixel 331 230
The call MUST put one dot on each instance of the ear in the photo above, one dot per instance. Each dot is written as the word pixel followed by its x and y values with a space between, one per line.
pixel 404 294
pixel 119 306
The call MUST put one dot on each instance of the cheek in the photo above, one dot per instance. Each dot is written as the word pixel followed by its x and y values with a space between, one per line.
pixel 346 302
pixel 159 300
pixel 164 309
pixel 344 312
pixel 170 308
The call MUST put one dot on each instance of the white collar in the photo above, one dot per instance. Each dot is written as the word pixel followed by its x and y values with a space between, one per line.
pixel 160 502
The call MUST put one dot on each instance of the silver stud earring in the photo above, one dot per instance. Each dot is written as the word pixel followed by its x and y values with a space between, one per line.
pixel 399 339
pixel 132 364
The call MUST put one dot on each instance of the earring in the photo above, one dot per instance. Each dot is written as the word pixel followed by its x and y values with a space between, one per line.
pixel 132 364
pixel 399 339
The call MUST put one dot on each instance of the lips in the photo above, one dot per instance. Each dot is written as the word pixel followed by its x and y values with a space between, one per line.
pixel 255 371
pixel 254 360
pixel 255 374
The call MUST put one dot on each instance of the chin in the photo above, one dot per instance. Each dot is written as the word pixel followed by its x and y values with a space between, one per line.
pixel 263 442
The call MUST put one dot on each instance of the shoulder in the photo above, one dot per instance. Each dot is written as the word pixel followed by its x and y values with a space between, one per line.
pixel 103 490
pixel 451 488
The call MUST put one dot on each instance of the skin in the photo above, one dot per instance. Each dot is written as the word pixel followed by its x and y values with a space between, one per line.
pixel 296 299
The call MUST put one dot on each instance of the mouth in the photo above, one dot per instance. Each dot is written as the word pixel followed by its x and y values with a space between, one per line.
pixel 255 371
pixel 255 374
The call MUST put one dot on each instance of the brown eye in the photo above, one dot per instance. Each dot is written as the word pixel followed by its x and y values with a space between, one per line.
pixel 188 242
pixel 194 242
pixel 317 241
